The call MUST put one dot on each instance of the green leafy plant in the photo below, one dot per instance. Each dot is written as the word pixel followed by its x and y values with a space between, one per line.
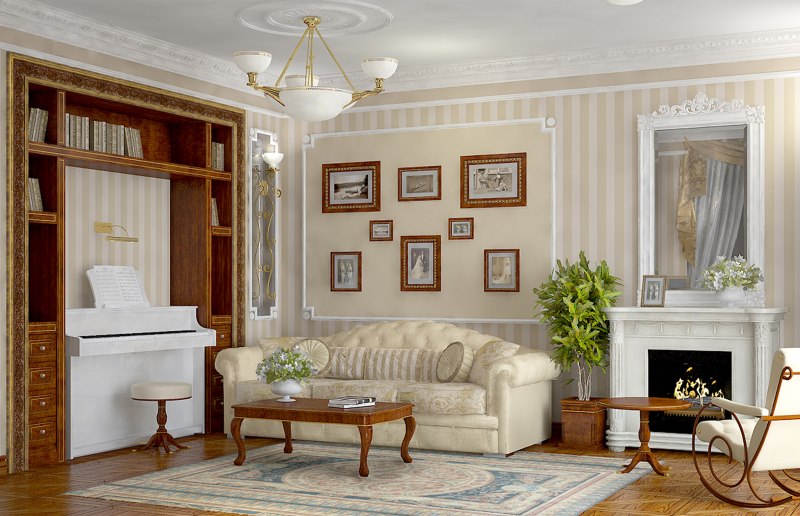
pixel 733 272
pixel 284 365
pixel 571 304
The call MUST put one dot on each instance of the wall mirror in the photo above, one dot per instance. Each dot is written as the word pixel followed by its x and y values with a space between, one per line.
pixel 263 188
pixel 701 191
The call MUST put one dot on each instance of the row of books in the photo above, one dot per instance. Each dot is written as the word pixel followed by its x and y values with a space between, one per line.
pixel 37 124
pixel 82 133
pixel 217 156
pixel 352 402
pixel 34 195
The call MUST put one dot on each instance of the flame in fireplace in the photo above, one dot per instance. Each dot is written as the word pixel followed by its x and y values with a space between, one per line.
pixel 697 388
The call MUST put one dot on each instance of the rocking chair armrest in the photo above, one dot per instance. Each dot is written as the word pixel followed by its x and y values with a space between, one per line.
pixel 739 408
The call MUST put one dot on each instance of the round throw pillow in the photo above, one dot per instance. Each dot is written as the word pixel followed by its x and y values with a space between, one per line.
pixel 454 363
pixel 318 352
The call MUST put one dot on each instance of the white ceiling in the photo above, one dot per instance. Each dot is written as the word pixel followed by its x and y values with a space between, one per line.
pixel 438 42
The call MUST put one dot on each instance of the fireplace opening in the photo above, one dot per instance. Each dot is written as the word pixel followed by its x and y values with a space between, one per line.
pixel 695 376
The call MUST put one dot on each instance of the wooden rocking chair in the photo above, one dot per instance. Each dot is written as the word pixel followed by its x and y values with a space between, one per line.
pixel 765 441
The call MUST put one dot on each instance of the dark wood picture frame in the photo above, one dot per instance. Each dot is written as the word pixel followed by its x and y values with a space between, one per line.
pixel 428 190
pixel 357 181
pixel 372 226
pixel 453 231
pixel 500 276
pixel 654 289
pixel 493 180
pixel 421 263
pixel 344 278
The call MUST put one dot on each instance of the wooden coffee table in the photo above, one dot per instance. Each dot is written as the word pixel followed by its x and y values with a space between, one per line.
pixel 645 406
pixel 317 411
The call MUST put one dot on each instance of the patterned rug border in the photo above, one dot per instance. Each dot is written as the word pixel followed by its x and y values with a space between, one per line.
pixel 208 485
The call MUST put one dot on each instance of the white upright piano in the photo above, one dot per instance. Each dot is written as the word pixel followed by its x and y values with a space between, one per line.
pixel 112 347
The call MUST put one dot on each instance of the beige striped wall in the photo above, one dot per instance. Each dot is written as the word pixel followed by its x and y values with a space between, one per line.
pixel 141 205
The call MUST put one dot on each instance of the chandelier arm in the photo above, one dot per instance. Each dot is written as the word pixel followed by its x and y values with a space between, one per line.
pixel 310 58
pixel 346 78
pixel 269 91
pixel 358 95
pixel 286 68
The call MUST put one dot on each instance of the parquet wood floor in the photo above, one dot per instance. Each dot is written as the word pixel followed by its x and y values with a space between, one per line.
pixel 41 490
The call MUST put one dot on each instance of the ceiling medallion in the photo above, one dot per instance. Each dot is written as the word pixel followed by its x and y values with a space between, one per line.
pixel 285 17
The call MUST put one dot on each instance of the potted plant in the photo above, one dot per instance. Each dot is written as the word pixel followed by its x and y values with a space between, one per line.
pixel 284 370
pixel 571 304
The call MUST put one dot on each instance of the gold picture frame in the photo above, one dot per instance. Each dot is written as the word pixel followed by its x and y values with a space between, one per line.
pixel 420 263
pixel 493 180
pixel 351 187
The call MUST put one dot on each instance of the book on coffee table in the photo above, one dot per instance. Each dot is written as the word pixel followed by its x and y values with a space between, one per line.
pixel 352 401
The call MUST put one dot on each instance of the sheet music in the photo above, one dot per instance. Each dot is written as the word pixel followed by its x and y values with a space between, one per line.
pixel 116 286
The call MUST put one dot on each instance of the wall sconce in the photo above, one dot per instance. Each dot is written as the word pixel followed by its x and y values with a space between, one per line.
pixel 107 227
pixel 273 159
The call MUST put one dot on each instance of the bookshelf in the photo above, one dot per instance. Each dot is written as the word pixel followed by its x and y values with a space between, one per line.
pixel 171 137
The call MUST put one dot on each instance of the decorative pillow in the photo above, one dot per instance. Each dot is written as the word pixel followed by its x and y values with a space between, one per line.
pixel 490 352
pixel 417 365
pixel 270 344
pixel 347 363
pixel 318 352
pixel 455 363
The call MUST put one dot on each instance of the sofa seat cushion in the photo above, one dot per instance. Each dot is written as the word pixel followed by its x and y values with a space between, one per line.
pixel 455 399
pixel 327 388
pixel 254 390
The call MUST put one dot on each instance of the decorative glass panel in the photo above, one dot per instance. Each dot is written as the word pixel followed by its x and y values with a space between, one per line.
pixel 264 193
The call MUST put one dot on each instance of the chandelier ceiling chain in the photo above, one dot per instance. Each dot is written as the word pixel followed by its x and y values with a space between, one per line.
pixel 302 97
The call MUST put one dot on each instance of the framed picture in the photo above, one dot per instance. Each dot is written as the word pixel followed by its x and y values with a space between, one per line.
pixel 492 180
pixel 653 290
pixel 350 187
pixel 419 183
pixel 461 229
pixel 346 271
pixel 501 270
pixel 380 230
pixel 420 263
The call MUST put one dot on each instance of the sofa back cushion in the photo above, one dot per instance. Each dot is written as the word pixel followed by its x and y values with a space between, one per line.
pixel 347 363
pixel 418 365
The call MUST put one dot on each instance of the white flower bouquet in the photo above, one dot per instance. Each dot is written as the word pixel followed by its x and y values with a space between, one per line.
pixel 285 365
pixel 733 272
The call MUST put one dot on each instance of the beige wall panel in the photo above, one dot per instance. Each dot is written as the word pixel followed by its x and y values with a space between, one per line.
pixel 462 296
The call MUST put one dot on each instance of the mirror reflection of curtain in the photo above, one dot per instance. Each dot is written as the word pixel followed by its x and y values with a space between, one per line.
pixel 711 202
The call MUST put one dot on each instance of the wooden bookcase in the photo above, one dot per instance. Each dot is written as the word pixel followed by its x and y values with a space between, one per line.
pixel 206 262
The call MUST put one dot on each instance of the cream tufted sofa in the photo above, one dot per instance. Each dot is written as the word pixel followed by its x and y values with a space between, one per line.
pixel 503 405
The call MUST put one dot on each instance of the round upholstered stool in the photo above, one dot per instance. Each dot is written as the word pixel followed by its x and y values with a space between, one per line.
pixel 162 392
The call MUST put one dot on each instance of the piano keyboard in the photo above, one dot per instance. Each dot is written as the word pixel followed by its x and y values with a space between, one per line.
pixel 141 334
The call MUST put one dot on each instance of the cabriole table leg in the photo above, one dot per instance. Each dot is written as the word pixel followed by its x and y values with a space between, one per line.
pixel 411 425
pixel 366 440
pixel 287 433
pixel 236 426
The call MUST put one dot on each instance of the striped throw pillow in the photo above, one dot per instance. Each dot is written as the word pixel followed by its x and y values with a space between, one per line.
pixel 347 363
pixel 417 365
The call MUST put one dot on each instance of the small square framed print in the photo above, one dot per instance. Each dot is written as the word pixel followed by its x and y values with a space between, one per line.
pixel 420 263
pixel 493 180
pixel 419 183
pixel 381 230
pixel 461 229
pixel 653 290
pixel 348 187
pixel 501 270
pixel 346 271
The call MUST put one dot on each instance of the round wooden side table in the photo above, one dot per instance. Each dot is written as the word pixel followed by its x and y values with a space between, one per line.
pixel 645 406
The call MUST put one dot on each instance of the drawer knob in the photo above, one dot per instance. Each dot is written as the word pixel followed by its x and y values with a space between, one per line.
pixel 42 375
pixel 42 403
pixel 221 335
pixel 42 348
pixel 42 431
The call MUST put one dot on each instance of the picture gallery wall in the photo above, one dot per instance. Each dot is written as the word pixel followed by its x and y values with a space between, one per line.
pixel 441 222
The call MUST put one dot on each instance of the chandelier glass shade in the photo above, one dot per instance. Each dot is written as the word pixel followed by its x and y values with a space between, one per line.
pixel 302 97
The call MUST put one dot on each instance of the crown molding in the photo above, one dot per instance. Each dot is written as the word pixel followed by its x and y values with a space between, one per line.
pixel 31 17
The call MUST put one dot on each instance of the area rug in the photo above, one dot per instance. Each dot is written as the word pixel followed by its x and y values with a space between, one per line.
pixel 323 479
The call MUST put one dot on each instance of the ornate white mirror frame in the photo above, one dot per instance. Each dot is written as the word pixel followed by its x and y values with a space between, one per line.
pixel 701 112
pixel 263 221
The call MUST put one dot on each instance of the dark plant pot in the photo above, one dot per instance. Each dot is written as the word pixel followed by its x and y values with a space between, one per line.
pixel 583 423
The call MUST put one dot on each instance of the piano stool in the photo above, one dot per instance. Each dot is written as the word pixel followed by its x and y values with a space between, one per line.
pixel 162 392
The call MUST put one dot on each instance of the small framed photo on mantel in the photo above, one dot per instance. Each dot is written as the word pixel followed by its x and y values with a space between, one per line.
pixel 346 271
pixel 653 290
pixel 493 180
pixel 348 187
pixel 419 183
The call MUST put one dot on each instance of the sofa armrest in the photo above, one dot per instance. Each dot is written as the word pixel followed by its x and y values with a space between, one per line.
pixel 524 369
pixel 238 364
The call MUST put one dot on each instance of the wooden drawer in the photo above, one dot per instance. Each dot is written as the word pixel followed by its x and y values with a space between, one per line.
pixel 215 383
pixel 42 404
pixel 223 335
pixel 42 432
pixel 42 377
pixel 42 348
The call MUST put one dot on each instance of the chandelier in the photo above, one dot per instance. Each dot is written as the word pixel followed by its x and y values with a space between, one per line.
pixel 302 97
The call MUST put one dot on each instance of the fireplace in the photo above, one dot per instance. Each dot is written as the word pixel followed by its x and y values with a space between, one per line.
pixel 743 339
pixel 694 376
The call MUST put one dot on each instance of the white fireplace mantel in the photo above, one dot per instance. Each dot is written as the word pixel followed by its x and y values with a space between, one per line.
pixel 752 335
